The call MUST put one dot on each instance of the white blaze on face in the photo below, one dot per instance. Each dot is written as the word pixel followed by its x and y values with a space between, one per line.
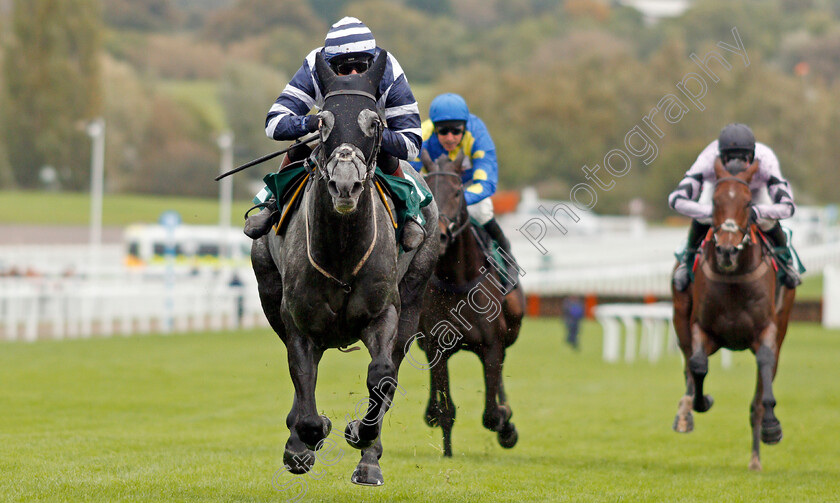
pixel 729 225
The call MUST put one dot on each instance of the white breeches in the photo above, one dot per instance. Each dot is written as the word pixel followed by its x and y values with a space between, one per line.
pixel 482 211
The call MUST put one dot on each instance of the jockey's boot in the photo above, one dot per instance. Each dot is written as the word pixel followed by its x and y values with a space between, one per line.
pixel 413 232
pixel 492 227
pixel 389 164
pixel 791 277
pixel 258 225
pixel 682 275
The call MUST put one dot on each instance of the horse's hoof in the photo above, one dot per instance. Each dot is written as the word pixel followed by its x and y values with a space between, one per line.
pixel 708 401
pixel 684 424
pixel 298 462
pixel 771 432
pixel 508 436
pixel 351 434
pixel 755 464
pixel 367 474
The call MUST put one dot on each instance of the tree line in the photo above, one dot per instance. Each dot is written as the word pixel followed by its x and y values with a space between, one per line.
pixel 565 87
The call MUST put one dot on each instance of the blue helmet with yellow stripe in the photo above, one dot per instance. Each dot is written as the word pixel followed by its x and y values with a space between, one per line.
pixel 448 107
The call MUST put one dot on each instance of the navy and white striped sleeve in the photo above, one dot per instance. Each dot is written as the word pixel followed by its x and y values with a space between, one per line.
pixel 286 118
pixel 401 137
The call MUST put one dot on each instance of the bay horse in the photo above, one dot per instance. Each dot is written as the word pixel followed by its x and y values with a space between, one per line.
pixel 466 287
pixel 334 277
pixel 735 303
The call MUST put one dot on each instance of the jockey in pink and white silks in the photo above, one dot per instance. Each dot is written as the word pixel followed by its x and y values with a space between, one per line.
pixel 772 197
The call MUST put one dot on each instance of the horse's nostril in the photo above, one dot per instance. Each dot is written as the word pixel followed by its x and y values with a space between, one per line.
pixel 332 187
pixel 357 187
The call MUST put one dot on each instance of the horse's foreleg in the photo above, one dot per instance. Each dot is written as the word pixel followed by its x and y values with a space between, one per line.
pixel 307 425
pixel 698 365
pixel 443 410
pixel 379 338
pixel 684 421
pixel 363 434
pixel 513 308
pixel 767 356
pixel 506 434
pixel 756 412
pixel 495 416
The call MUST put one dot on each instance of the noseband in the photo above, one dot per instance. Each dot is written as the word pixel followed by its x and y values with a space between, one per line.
pixel 453 227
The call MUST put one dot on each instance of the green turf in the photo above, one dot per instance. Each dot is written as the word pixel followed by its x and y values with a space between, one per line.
pixel 24 207
pixel 202 418
pixel 811 288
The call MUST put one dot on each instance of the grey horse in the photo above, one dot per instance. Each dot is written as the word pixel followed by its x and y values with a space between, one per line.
pixel 336 277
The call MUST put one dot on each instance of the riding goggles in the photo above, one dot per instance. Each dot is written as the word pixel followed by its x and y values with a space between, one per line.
pixel 347 66
pixel 445 130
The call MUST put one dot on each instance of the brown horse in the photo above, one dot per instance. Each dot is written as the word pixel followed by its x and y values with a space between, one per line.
pixel 735 303
pixel 466 306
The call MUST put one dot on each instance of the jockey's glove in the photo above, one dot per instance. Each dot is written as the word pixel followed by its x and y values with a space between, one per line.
pixel 312 122
pixel 754 215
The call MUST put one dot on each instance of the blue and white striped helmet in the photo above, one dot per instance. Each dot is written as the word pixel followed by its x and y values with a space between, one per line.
pixel 348 36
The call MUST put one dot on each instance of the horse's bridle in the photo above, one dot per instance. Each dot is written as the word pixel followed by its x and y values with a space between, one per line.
pixel 453 227
pixel 729 225
pixel 369 163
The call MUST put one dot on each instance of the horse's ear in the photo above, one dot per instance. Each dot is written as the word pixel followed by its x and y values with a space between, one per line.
pixel 325 74
pixel 327 123
pixel 377 70
pixel 459 161
pixel 751 171
pixel 369 122
pixel 427 161
pixel 720 171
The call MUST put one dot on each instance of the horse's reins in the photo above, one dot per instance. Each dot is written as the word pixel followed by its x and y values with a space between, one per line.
pixel 451 230
pixel 452 233
pixel 345 286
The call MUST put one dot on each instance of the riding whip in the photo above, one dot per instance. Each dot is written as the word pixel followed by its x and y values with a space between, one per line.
pixel 299 142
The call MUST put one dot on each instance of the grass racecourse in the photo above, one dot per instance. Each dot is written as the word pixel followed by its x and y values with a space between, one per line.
pixel 201 417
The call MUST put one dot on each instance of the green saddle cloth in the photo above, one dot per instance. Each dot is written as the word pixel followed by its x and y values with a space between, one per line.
pixel 407 201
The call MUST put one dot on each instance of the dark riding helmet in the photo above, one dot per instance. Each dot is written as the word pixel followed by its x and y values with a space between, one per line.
pixel 736 140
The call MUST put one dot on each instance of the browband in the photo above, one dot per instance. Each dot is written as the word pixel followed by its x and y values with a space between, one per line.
pixel 350 91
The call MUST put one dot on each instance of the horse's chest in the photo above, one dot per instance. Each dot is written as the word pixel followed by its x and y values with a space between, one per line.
pixel 318 307
pixel 734 319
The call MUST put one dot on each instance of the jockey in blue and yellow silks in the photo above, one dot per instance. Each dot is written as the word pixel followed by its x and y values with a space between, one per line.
pixel 451 129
